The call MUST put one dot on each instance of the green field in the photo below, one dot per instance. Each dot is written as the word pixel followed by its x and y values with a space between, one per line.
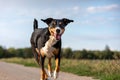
pixel 100 69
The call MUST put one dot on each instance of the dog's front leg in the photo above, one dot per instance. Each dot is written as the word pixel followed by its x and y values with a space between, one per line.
pixel 57 68
pixel 44 75
pixel 49 67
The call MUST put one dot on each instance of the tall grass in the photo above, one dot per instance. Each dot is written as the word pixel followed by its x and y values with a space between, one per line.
pixel 102 69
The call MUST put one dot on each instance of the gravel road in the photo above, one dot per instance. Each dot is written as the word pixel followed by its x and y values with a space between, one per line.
pixel 10 71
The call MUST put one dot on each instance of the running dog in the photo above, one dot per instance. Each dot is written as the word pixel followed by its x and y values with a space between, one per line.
pixel 46 42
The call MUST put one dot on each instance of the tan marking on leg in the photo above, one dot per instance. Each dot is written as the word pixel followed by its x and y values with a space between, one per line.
pixel 37 50
pixel 46 76
pixel 42 52
pixel 57 68
pixel 42 74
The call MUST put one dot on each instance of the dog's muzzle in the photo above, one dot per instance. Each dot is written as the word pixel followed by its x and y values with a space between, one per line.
pixel 57 35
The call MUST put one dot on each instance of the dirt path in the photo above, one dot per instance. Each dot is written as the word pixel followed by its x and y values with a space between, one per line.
pixel 10 71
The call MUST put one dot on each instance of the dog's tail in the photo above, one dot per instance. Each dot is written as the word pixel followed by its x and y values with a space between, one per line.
pixel 35 24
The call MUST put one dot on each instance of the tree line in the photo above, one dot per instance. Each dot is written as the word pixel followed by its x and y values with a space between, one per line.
pixel 65 53
pixel 12 52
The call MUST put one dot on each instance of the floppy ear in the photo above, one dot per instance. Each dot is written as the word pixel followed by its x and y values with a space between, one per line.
pixel 66 21
pixel 47 21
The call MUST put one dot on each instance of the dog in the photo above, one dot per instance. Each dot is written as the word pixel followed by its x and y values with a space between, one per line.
pixel 46 42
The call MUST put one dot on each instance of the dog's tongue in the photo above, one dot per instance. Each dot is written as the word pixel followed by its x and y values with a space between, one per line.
pixel 58 36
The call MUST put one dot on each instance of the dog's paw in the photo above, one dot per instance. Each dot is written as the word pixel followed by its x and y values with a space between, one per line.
pixel 55 75
pixel 49 74
pixel 45 79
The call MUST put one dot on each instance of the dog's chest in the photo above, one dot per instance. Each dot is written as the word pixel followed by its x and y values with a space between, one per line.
pixel 48 48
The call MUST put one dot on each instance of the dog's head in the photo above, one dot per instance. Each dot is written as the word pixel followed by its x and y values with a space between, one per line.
pixel 56 26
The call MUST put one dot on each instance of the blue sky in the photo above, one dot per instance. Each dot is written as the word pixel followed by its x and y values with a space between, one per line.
pixel 96 22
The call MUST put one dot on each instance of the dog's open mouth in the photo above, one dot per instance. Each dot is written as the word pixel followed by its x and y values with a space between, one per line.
pixel 57 36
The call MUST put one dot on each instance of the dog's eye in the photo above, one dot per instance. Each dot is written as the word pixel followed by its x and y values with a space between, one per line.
pixel 61 25
pixel 52 25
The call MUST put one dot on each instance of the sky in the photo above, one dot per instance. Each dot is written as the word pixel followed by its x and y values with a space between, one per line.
pixel 96 22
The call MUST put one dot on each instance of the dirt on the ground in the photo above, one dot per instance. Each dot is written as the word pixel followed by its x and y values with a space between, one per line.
pixel 10 71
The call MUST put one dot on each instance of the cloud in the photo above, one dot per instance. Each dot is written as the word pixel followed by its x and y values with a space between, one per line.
pixel 112 7
pixel 76 8
pixel 62 12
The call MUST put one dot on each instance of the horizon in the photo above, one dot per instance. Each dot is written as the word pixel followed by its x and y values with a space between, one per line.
pixel 65 48
pixel 96 23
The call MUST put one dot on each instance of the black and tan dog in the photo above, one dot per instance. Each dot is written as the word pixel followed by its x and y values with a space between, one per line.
pixel 46 42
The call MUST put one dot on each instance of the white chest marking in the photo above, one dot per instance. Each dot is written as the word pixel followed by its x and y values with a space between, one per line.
pixel 48 49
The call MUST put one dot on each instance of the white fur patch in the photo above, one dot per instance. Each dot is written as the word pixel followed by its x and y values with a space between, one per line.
pixel 49 74
pixel 48 49
pixel 55 75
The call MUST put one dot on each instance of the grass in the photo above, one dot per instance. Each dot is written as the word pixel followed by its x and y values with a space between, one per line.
pixel 101 69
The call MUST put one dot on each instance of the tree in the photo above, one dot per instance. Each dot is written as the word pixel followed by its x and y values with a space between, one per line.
pixel 116 55
pixel 28 53
pixel 107 53
pixel 1 51
pixel 11 52
pixel 90 55
pixel 67 53
pixel 20 53
pixel 77 55
pixel 84 54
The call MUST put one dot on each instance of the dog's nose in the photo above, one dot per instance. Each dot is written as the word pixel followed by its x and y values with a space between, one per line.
pixel 57 30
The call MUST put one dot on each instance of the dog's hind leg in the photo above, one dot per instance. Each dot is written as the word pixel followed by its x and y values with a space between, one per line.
pixel 44 75
pixel 42 68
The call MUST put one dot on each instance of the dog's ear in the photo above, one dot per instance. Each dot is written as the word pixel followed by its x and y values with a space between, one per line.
pixel 66 21
pixel 47 21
